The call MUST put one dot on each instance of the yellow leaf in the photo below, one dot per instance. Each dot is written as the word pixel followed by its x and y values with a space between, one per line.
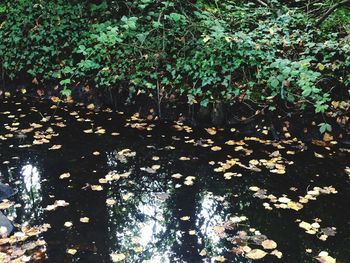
pixel 96 187
pixel 321 66
pixel 117 257
pixel 323 257
pixel 219 259
pixel 256 254
pixel 269 244
pixel 215 148
pixel 72 251
pixel 68 224
pixel 294 205
pixel 64 175
pixel 55 99
pixel 91 106
pixel 84 219
pixel 211 131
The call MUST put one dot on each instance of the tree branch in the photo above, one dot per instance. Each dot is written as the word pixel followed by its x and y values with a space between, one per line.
pixel 330 11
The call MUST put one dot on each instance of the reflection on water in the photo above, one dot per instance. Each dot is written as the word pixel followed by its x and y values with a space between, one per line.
pixel 158 218
pixel 31 178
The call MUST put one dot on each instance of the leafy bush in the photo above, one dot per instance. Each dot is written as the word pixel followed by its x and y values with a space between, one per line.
pixel 202 51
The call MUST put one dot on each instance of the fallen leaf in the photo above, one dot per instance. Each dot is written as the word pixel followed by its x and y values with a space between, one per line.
pixel 64 175
pixel 117 257
pixel 96 187
pixel 323 257
pixel 84 219
pixel 72 251
pixel 55 147
pixel 269 244
pixel 277 253
pixel 256 254
pixel 110 201
pixel 68 224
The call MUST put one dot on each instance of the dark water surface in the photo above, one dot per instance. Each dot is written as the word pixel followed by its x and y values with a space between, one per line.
pixel 146 222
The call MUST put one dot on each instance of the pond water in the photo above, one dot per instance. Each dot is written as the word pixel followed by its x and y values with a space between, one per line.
pixel 164 192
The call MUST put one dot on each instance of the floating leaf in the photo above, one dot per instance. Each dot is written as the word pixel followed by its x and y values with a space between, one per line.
pixel 84 219
pixel 110 202
pixel 177 176
pixel 64 175
pixel 323 257
pixel 305 225
pixel 72 251
pixel 55 147
pixel 269 244
pixel 117 257
pixel 219 259
pixel 256 254
pixel 216 148
pixel 68 224
pixel 91 106
pixel 277 253
pixel 96 187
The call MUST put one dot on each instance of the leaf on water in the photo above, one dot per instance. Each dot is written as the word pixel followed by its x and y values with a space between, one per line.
pixel 68 224
pixel 155 167
pixel 229 175
pixel 269 244
pixel 219 259
pixel 64 175
pixel 211 131
pixel 91 106
pixel 55 147
pixel 55 99
pixel 110 201
pixel 148 170
pixel 72 251
pixel 5 204
pixel 100 131
pixel 323 257
pixel 96 153
pixel 117 257
pixel 155 158
pixel 284 200
pixel 96 187
pixel 58 203
pixel 183 158
pixel 327 137
pixel 88 131
pixel 202 253
pixel 305 225
pixel 256 254
pixel 216 148
pixel 177 176
pixel 84 219
pixel 318 155
pixel 254 188
pixel 347 171
pixel 185 218
pixel 277 253
pixel 192 232
pixel 127 196
pixel 254 162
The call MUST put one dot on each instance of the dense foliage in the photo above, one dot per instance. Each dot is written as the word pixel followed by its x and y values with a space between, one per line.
pixel 203 51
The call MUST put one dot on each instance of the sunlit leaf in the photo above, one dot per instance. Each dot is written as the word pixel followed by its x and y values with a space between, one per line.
pixel 256 254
